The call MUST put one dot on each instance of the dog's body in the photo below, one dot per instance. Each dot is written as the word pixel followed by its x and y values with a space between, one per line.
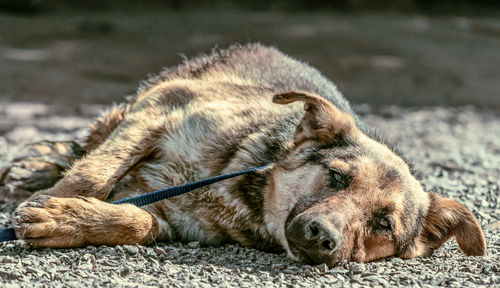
pixel 330 193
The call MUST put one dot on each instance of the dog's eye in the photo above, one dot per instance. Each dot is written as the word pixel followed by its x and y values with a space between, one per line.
pixel 336 176
pixel 337 180
pixel 382 223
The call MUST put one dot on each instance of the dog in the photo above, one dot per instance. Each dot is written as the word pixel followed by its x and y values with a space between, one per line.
pixel 332 190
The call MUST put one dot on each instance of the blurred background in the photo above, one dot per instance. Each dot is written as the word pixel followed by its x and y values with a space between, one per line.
pixel 396 52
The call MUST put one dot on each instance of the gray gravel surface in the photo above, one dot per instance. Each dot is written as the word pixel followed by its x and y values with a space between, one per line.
pixel 456 151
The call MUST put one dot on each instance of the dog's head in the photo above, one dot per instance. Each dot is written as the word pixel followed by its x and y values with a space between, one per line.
pixel 339 195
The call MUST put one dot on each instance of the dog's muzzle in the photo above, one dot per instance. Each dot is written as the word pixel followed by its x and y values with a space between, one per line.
pixel 312 239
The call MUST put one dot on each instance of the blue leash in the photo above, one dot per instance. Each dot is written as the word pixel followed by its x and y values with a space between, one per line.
pixel 155 196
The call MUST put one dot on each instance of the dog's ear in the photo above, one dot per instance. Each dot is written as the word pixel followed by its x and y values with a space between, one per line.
pixel 447 218
pixel 321 122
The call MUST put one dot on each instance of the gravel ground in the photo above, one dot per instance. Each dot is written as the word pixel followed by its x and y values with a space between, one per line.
pixel 456 150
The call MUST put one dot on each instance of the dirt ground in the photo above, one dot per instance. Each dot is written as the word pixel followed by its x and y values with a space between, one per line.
pixel 72 57
pixel 456 152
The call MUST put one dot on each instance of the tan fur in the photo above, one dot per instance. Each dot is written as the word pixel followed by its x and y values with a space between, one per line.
pixel 103 126
pixel 377 247
pixel 448 218
pixel 72 222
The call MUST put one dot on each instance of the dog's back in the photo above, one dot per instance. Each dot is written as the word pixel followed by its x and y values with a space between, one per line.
pixel 254 65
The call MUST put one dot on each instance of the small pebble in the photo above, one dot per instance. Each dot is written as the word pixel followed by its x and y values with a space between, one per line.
pixel 357 268
pixel 160 251
pixel 131 249
pixel 323 268
pixel 124 271
pixel 193 245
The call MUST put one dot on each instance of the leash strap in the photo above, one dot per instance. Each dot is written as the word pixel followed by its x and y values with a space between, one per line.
pixel 155 196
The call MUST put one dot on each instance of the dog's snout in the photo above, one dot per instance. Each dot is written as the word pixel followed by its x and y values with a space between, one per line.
pixel 314 236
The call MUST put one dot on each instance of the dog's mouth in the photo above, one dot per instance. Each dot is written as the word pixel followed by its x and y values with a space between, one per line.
pixel 308 256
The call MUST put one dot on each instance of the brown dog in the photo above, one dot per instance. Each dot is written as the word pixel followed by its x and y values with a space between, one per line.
pixel 332 191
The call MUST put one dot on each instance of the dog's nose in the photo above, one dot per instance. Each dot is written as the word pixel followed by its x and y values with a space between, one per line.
pixel 313 235
pixel 326 239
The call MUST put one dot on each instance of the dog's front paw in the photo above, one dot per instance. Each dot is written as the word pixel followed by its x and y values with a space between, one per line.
pixel 46 221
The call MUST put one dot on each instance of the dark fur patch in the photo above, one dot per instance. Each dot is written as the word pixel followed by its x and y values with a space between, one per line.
pixel 324 154
pixel 304 203
pixel 412 219
pixel 249 190
pixel 274 138
pixel 307 201
pixel 388 177
pixel 373 134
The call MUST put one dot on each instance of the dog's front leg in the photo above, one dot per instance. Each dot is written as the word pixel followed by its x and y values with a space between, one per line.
pixel 131 142
pixel 57 218
pixel 47 221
